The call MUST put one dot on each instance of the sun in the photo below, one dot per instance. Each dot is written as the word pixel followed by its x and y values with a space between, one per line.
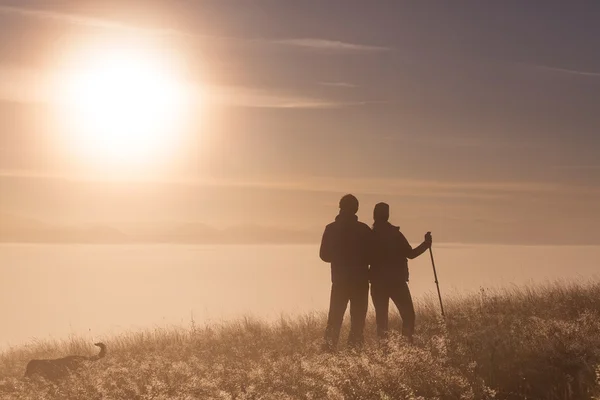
pixel 124 106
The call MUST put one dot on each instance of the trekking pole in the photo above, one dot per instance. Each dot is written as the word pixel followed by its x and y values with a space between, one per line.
pixel 436 281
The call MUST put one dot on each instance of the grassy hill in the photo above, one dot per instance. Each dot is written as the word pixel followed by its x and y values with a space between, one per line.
pixel 527 343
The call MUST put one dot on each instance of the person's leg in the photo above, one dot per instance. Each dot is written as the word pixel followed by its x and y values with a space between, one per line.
pixel 381 301
pixel 401 297
pixel 337 308
pixel 359 305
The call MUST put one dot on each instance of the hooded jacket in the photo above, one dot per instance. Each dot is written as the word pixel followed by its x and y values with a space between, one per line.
pixel 390 253
pixel 347 245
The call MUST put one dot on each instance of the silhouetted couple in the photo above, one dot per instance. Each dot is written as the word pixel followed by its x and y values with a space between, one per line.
pixel 359 255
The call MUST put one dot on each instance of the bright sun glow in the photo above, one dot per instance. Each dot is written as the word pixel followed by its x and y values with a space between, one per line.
pixel 124 106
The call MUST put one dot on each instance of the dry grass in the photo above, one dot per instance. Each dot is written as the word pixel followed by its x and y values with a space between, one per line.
pixel 528 343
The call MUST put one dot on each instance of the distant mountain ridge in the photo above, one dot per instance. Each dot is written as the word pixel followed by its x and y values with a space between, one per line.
pixel 27 230
pixel 18 229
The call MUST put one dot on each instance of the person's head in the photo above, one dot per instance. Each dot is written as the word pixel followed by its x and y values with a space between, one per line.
pixel 381 213
pixel 349 204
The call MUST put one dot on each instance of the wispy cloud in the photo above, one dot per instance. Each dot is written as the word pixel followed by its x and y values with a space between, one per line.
pixel 35 86
pixel 339 84
pixel 460 140
pixel 588 167
pixel 78 19
pixel 330 45
pixel 253 97
pixel 566 71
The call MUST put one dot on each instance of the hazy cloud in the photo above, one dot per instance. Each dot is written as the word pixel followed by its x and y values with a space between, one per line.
pixel 372 186
pixel 330 45
pixel 24 84
pixel 29 85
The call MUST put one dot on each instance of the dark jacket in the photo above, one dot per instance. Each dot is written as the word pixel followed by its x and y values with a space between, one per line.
pixel 347 245
pixel 391 251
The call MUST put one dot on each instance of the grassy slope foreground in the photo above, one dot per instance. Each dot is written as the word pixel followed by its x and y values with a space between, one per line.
pixel 531 343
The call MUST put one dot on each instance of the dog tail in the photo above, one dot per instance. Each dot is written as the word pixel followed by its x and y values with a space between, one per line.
pixel 100 355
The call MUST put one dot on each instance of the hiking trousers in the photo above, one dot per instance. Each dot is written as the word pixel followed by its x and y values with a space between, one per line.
pixel 381 292
pixel 357 293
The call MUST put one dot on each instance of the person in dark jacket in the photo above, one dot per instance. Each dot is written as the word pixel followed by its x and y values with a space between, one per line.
pixel 346 244
pixel 389 271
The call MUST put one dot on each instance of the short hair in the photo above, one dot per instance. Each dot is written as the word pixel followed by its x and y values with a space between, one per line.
pixel 381 212
pixel 349 203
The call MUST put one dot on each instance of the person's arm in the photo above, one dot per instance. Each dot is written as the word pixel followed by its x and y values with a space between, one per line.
pixel 369 245
pixel 326 246
pixel 420 249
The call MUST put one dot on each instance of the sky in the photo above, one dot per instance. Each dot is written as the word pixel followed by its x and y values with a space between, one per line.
pixel 477 121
